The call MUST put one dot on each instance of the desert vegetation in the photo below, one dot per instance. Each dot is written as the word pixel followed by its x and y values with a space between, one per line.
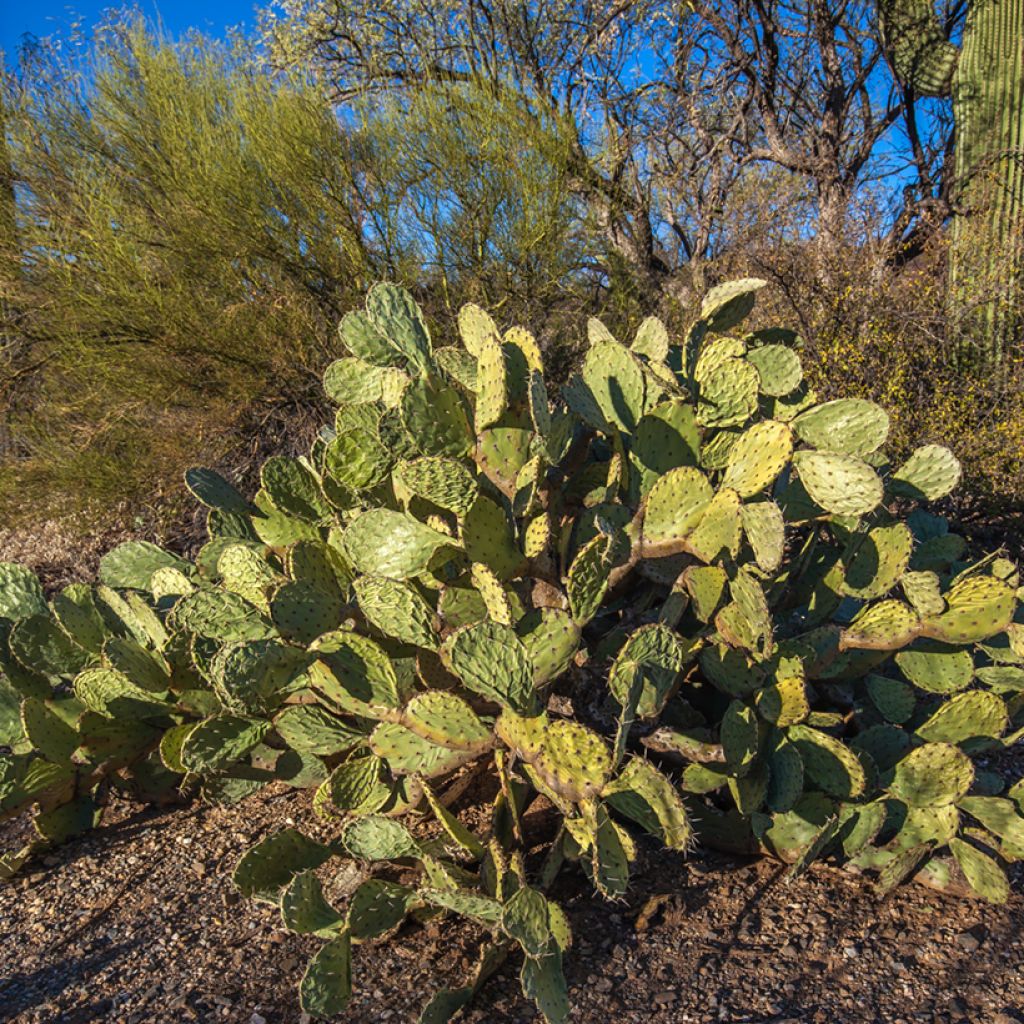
pixel 542 432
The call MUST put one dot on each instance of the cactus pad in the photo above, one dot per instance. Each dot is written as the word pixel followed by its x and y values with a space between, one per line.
pixel 932 776
pixel 930 473
pixel 397 610
pixel 491 660
pixel 757 457
pixel 838 482
pixel 850 426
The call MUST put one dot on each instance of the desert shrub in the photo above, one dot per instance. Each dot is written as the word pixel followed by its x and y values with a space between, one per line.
pixel 677 597
pixel 189 227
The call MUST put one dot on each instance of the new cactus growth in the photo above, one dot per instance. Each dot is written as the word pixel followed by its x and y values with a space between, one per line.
pixel 985 78
pixel 782 663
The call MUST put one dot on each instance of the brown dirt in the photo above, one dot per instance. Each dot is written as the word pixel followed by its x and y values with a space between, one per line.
pixel 138 922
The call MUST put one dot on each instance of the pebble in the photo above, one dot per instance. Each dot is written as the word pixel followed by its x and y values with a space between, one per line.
pixel 967 942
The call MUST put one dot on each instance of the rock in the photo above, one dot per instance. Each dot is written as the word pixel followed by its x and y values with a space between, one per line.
pixel 967 942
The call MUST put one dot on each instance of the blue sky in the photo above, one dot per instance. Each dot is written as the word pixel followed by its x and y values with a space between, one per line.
pixel 44 17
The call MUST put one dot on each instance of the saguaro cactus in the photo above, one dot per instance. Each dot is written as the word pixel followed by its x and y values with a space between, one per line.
pixel 985 77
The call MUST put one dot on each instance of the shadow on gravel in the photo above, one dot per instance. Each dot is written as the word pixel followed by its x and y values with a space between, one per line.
pixel 25 990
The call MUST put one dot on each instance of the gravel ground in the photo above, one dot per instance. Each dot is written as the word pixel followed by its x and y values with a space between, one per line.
pixel 138 922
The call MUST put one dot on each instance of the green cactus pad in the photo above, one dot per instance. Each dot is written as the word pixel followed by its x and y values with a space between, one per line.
pixel 651 340
pixel 714 453
pixel 720 528
pixel 310 729
pixel 765 530
pixel 270 865
pixel 408 753
pixel 75 610
pixel 374 838
pixel 778 367
pixel 355 461
pixel 731 671
pixel 397 610
pixel 543 981
pixel 758 456
pixel 676 504
pixel 615 378
pixel 491 382
pixel 740 737
pixel 376 908
pixel 444 482
pixel 936 667
pixel 326 987
pixel 491 660
pixel 132 564
pixel 221 741
pixel 496 600
pixel 885 626
pixel 220 615
pixel 785 778
pixel 458 366
pixel 302 611
pixel 41 646
pixel 435 417
pixel 49 734
pixel 975 715
pixel 359 335
pixel 551 639
pixel 839 483
pixel 932 776
pixel 293 489
pixel 476 325
pixel 828 763
pixel 850 426
pixel 524 919
pixel 354 672
pixel 382 542
pixel 924 591
pixel 706 586
pixel 729 303
pixel 784 702
pixel 611 852
pixel 930 473
pixel 488 539
pixel 354 381
pixel 212 490
pixel 877 562
pixel 1000 816
pixel 728 394
pixel 447 720
pixel 666 438
pixel 893 698
pixel 394 313
pixel 573 761
pixel 588 577
pixel 977 607
pixel 983 874
pixel 304 909
pixel 354 786
pixel 641 793
pixel 276 528
pixel 244 571
pixel 658 653
pixel 115 695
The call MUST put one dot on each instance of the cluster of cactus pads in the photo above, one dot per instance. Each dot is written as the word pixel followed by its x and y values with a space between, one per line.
pixel 676 596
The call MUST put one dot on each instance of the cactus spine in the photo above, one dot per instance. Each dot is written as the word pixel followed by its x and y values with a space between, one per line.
pixel 985 78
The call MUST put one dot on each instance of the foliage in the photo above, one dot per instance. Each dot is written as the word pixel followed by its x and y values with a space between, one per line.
pixel 190 227
pixel 790 657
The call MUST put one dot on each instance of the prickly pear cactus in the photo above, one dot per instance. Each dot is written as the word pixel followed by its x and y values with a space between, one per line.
pixel 676 600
